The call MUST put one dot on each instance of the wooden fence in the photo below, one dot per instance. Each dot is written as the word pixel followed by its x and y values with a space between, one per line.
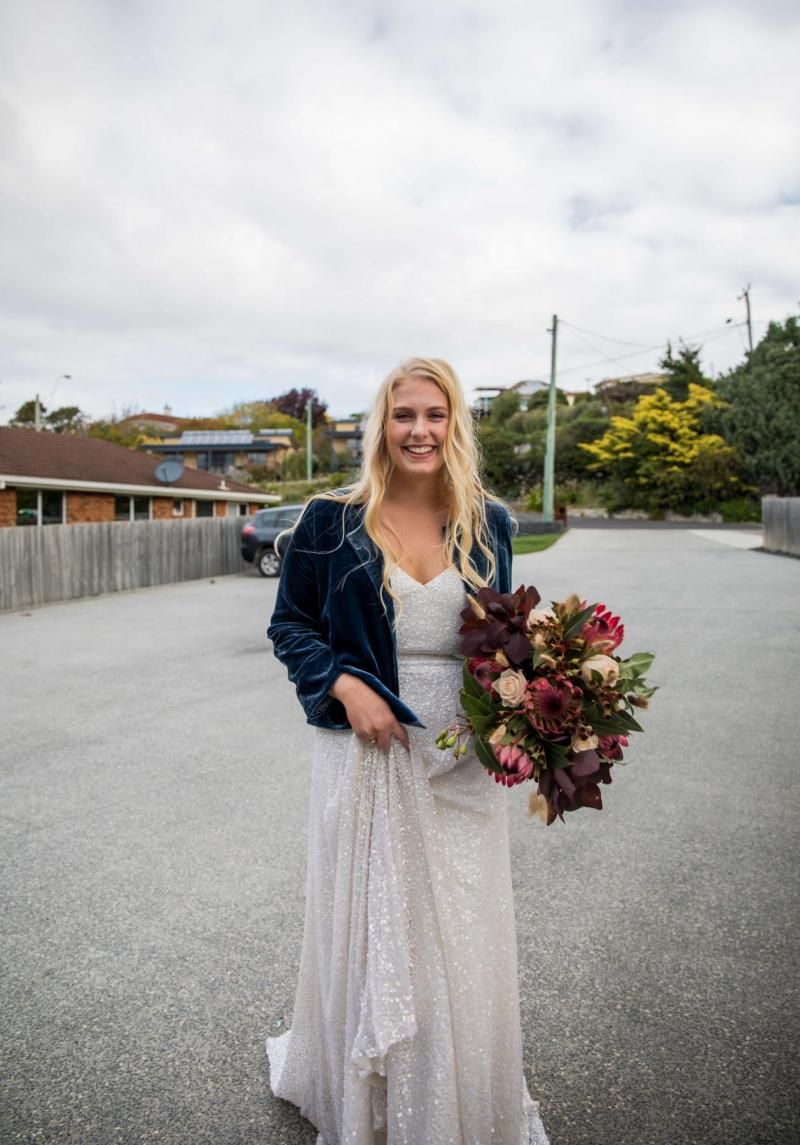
pixel 41 564
pixel 781 519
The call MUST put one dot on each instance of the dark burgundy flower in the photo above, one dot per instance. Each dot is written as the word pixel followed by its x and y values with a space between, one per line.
pixel 496 620
pixel 484 670
pixel 553 704
pixel 575 786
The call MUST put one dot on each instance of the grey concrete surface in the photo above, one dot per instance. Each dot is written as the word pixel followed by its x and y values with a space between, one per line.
pixel 155 785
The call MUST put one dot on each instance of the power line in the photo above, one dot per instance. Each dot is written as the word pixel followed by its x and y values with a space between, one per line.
pixel 651 349
pixel 586 342
pixel 596 334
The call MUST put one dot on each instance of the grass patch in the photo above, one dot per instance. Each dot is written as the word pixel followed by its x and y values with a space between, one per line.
pixel 533 543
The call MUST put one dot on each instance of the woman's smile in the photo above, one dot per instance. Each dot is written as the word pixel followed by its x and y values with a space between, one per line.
pixel 416 431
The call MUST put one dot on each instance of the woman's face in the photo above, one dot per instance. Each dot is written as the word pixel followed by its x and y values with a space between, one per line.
pixel 417 426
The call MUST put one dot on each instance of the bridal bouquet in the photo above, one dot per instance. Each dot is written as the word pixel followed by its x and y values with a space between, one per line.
pixel 546 697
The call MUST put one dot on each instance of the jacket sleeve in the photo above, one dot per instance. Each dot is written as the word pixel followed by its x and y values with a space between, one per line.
pixel 295 628
pixel 504 549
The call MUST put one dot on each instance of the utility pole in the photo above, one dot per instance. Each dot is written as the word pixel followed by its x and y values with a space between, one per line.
pixel 550 443
pixel 37 414
pixel 308 439
pixel 746 296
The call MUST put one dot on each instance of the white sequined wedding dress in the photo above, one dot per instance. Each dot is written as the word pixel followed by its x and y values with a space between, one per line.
pixel 406 1022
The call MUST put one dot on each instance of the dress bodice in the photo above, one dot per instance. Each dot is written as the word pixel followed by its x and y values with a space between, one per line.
pixel 429 623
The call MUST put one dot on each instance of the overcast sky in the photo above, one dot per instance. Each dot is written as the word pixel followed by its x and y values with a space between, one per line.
pixel 203 203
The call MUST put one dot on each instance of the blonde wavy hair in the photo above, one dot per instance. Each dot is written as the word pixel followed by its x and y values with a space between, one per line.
pixel 460 475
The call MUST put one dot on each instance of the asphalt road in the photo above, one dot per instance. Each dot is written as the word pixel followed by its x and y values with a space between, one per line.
pixel 155 784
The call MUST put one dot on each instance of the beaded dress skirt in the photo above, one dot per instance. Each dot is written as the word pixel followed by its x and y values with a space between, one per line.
pixel 406 1022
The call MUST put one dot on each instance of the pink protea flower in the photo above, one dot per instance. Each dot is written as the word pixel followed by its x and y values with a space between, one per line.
pixel 516 763
pixel 552 704
pixel 603 629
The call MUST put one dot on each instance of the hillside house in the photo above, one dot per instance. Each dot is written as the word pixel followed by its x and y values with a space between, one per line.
pixel 226 450
pixel 346 435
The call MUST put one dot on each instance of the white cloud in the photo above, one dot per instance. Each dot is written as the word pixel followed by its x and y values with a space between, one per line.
pixel 202 205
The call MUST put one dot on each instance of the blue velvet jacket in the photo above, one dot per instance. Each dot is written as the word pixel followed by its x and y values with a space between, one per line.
pixel 328 617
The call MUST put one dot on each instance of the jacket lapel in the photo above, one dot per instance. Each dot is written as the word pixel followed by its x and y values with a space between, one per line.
pixel 368 554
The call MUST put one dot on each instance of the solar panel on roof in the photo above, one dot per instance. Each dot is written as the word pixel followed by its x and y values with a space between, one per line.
pixel 216 437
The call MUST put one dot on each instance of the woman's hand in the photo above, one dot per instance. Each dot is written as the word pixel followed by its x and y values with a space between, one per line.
pixel 368 714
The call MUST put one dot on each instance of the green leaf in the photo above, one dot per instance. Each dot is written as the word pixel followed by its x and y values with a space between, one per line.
pixel 481 720
pixel 637 664
pixel 573 626
pixel 476 704
pixel 486 756
pixel 606 725
pixel 471 685
pixel 556 754
pixel 630 722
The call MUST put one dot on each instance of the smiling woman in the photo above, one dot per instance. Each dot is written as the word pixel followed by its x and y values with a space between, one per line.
pixel 396 1036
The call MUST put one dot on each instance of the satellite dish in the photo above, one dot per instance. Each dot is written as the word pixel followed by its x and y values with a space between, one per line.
pixel 169 471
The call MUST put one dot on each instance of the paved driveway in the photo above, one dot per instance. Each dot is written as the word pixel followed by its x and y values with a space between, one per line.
pixel 155 781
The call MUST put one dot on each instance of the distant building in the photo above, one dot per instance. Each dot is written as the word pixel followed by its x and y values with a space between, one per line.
pixel 643 381
pixel 225 450
pixel 57 478
pixel 160 423
pixel 526 390
pixel 346 437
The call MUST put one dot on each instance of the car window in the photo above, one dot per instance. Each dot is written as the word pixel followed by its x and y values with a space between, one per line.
pixel 288 517
pixel 269 519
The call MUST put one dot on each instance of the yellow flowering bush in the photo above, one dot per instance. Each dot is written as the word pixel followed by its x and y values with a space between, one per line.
pixel 661 457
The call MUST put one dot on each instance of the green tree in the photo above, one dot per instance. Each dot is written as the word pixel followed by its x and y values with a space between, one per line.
pixel 683 371
pixel 67 419
pixel 576 425
pixel 659 457
pixel 25 417
pixel 762 416
pixel 504 406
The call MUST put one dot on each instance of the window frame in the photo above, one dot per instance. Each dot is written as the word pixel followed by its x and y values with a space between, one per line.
pixel 40 522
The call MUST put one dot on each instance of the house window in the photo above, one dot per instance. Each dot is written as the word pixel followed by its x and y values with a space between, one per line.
pixel 204 509
pixel 122 508
pixel 131 508
pixel 177 507
pixel 141 508
pixel 27 507
pixel 242 510
pixel 221 460
pixel 40 507
pixel 51 507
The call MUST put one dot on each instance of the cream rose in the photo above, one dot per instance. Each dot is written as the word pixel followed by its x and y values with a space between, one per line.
pixel 607 666
pixel 583 740
pixel 510 687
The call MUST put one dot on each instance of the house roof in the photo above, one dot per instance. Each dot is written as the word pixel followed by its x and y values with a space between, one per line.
pixel 66 457
pixel 169 418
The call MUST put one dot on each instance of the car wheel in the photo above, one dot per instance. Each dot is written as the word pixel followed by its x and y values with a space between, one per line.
pixel 268 562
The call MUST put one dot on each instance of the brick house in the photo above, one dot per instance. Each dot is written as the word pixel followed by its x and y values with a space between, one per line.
pixel 56 478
